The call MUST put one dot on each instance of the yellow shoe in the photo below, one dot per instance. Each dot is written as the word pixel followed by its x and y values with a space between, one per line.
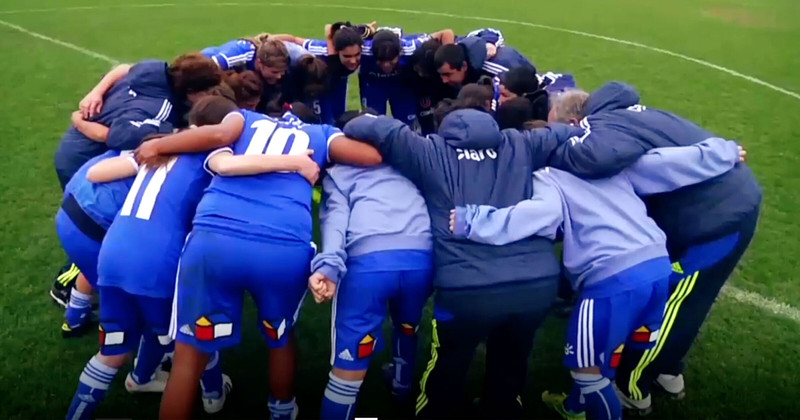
pixel 556 402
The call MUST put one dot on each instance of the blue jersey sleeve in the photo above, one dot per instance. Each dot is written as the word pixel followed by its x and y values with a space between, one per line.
pixel 132 126
pixel 231 54
pixel 410 43
pixel 490 35
pixel 318 47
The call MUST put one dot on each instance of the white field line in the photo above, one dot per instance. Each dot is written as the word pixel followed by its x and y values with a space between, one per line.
pixel 754 299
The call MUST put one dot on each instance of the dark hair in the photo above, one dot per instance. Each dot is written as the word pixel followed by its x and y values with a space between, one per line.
pixel 520 80
pixel 513 113
pixel 346 37
pixel 452 54
pixel 192 73
pixel 211 110
pixel 311 75
pixel 386 45
pixel 475 95
pixel 246 85
pixel 352 114
pixel 533 124
pixel 423 57
pixel 224 90
pixel 305 113
pixel 540 103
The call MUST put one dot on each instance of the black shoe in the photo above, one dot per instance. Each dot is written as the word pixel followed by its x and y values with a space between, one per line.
pixel 63 285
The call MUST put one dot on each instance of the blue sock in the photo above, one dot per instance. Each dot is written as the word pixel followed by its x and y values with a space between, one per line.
pixel 281 410
pixel 339 402
pixel 405 358
pixel 211 381
pixel 78 309
pixel 601 400
pixel 575 403
pixel 94 382
pixel 152 349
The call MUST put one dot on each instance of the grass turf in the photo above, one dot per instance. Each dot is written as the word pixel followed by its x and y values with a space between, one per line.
pixel 745 363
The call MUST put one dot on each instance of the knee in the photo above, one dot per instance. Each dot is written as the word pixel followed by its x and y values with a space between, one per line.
pixel 116 361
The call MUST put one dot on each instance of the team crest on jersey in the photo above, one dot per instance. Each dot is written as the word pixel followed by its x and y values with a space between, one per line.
pixel 111 334
pixel 272 332
pixel 408 329
pixel 616 356
pixel 645 335
pixel 366 346
pixel 211 327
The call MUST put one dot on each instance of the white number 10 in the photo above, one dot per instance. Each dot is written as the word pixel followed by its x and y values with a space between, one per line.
pixel 269 139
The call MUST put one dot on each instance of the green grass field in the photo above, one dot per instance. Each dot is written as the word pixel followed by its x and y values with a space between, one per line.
pixel 746 363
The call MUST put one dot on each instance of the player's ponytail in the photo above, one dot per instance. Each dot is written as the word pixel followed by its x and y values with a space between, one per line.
pixel 311 75
pixel 246 87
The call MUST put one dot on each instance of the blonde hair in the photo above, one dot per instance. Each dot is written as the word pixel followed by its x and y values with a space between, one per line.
pixel 272 53
pixel 570 104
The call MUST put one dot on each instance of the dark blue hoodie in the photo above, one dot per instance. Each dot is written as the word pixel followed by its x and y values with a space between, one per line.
pixel 133 108
pixel 471 161
pixel 619 130
pixel 506 58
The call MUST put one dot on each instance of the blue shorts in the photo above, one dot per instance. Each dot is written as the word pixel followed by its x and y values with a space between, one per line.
pixel 359 309
pixel 601 327
pixel 125 317
pixel 216 269
pixel 375 93
pixel 81 249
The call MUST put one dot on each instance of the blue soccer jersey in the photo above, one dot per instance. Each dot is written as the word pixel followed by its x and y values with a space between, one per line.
pixel 232 54
pixel 141 249
pixel 409 43
pixel 490 35
pixel 274 206
pixel 99 201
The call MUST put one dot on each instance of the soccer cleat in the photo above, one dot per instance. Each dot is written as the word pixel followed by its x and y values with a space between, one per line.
pixel 63 285
pixel 78 330
pixel 641 407
pixel 556 402
pixel 156 385
pixel 215 405
pixel 672 385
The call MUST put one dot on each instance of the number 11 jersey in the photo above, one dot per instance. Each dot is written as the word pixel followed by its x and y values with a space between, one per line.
pixel 141 249
pixel 271 206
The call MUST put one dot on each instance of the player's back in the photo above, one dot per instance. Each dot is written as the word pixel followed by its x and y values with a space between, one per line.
pixel 101 201
pixel 141 250
pixel 274 206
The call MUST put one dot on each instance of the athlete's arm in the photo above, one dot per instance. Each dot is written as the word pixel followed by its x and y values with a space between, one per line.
pixel 112 169
pixel 288 38
pixel 94 131
pixel 343 149
pixel 542 215
pixel 334 216
pixel 445 36
pixel 669 168
pixel 224 162
pixel 92 103
pixel 201 139
pixel 411 154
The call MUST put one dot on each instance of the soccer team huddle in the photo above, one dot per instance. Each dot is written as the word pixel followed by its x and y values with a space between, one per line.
pixel 187 184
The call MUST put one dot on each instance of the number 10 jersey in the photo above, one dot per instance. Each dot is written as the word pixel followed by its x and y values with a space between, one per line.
pixel 271 206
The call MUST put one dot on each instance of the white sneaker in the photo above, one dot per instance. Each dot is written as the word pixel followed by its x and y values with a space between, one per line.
pixel 156 385
pixel 672 385
pixel 637 407
pixel 215 405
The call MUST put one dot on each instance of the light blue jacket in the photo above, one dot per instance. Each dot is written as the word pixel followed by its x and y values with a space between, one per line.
pixel 605 223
